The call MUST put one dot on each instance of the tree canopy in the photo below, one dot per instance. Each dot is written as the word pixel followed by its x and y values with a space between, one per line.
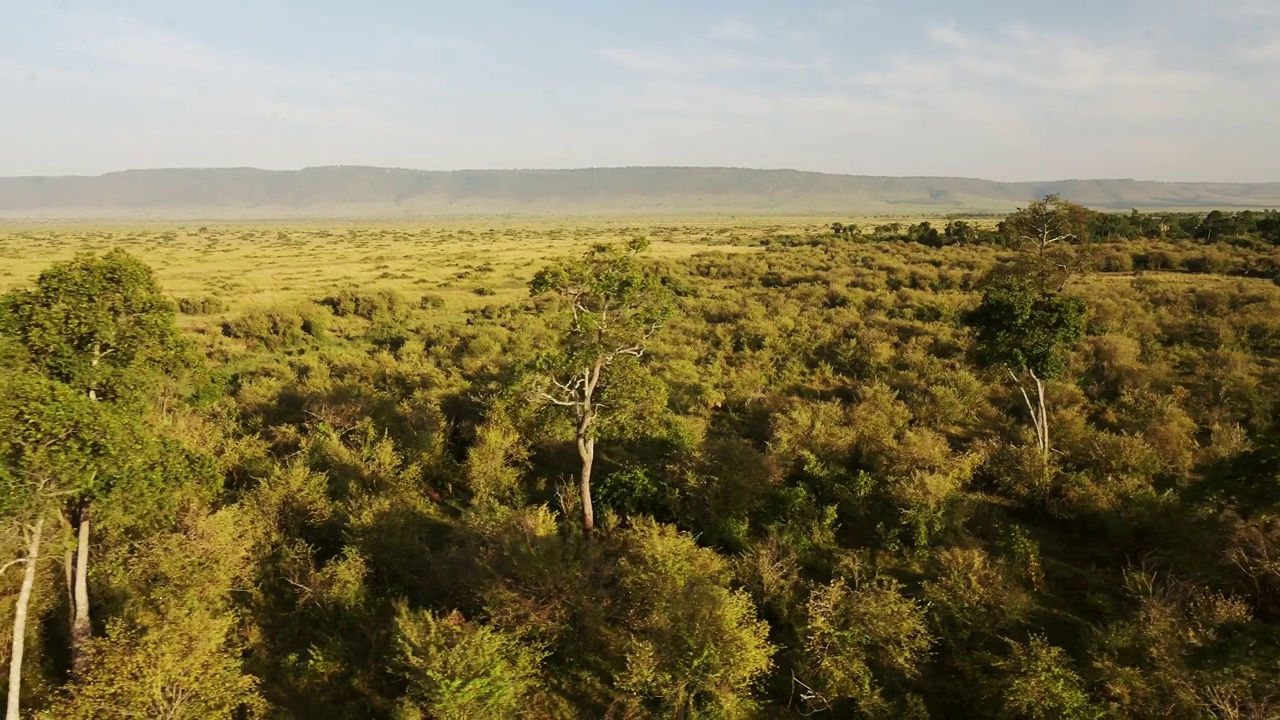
pixel 96 323
pixel 815 489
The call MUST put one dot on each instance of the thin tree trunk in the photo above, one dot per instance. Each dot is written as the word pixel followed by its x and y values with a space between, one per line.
pixel 1031 408
pixel 1044 417
pixel 80 627
pixel 20 623
pixel 1038 410
pixel 587 444
pixel 587 451
pixel 69 571
pixel 97 357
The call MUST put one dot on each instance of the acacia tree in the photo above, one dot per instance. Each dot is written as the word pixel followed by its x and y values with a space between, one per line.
pixel 610 306
pixel 101 326
pixel 1049 236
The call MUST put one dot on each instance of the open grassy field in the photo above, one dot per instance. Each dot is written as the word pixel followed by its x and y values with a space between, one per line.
pixel 467 263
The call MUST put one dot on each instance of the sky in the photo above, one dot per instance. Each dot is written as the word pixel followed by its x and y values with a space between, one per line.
pixel 1029 90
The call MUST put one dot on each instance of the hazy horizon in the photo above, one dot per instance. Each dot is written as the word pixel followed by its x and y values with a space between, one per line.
pixel 1176 91
pixel 638 167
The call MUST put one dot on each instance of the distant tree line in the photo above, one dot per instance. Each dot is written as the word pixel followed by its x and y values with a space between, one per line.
pixel 1241 227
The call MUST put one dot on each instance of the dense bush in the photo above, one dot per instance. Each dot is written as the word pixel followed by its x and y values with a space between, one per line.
pixel 278 327
pixel 367 304
pixel 819 491
pixel 201 305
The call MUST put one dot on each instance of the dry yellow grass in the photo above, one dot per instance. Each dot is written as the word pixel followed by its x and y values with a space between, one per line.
pixel 468 262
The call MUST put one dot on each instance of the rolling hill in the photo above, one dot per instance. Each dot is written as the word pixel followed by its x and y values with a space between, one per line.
pixel 366 192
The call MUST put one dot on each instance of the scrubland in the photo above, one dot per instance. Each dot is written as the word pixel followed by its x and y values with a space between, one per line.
pixel 820 486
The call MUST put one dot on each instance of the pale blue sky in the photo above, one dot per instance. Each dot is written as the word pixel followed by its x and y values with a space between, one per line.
pixel 1150 89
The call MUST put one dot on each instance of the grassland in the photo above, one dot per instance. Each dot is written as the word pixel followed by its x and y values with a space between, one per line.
pixel 467 263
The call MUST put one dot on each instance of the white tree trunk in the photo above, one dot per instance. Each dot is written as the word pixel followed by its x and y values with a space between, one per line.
pixel 1044 417
pixel 1037 409
pixel 586 452
pixel 13 710
pixel 80 626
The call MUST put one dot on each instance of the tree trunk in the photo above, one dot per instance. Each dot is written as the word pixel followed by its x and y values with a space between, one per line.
pixel 1039 413
pixel 69 571
pixel 93 380
pixel 587 451
pixel 20 623
pixel 80 627
pixel 1044 418
pixel 69 568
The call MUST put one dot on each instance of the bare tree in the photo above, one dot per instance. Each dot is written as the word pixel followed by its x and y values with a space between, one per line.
pixel 1050 236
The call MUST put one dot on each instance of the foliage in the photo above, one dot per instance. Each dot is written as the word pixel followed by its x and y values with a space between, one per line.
pixel 51 441
pixel 695 647
pixel 367 304
pixel 494 462
pixel 609 305
pixel 857 640
pixel 814 500
pixel 1023 329
pixel 201 305
pixel 1049 236
pixel 457 670
pixel 174 650
pixel 95 322
pixel 1042 684
pixel 277 328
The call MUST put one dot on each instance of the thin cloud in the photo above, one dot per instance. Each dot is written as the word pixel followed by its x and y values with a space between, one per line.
pixel 1245 9
pixel 148 62
pixel 736 29
pixel 813 87
pixel 639 61
pixel 697 63
pixel 1020 64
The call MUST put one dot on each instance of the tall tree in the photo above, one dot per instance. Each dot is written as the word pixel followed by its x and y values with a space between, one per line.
pixel 1050 237
pixel 102 326
pixel 1024 324
pixel 610 306
pixel 51 442
pixel 1026 332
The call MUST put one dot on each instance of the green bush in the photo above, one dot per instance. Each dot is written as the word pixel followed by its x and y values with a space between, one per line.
pixel 367 304
pixel 855 640
pixel 279 327
pixel 201 305
pixel 459 670
pixel 693 647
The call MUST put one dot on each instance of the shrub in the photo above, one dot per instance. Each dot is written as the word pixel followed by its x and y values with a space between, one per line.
pixel 459 670
pixel 201 305
pixel 1114 261
pixel 279 327
pixel 367 304
pixel 1042 684
pixel 431 302
pixel 856 638
pixel 694 647
pixel 493 462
